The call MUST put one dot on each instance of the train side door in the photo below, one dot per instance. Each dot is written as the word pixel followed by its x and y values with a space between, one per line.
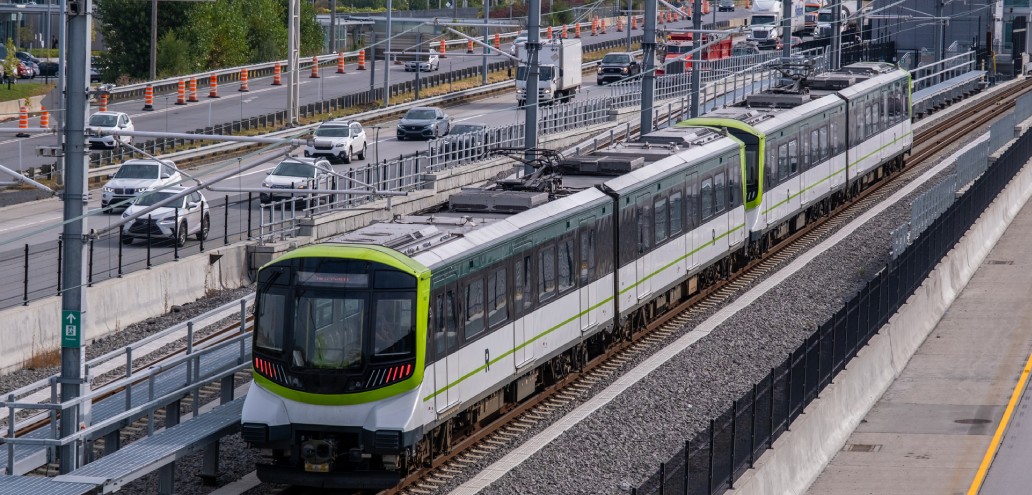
pixel 522 297
pixel 588 290
pixel 691 218
pixel 446 347
pixel 643 263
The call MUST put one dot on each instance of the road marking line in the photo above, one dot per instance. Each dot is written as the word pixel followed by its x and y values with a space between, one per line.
pixel 994 445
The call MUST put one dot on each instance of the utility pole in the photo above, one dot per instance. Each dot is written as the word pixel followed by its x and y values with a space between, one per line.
pixel 387 60
pixel 154 40
pixel 786 28
pixel 533 70
pixel 487 39
pixel 630 13
pixel 293 57
pixel 836 38
pixel 696 58
pixel 648 81
pixel 73 298
pixel 333 26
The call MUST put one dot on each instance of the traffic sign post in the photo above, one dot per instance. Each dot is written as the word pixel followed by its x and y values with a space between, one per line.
pixel 71 333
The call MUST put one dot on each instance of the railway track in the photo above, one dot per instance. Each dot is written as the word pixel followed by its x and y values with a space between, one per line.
pixel 577 386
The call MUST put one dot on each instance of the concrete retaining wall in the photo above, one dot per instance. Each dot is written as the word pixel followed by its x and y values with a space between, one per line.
pixel 113 304
pixel 800 455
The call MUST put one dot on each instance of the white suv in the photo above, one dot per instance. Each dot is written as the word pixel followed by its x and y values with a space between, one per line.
pixel 295 173
pixel 109 121
pixel 138 176
pixel 182 217
pixel 338 139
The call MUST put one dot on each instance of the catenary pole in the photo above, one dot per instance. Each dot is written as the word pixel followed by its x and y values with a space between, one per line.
pixel 533 70
pixel 696 58
pixel 73 298
pixel 648 81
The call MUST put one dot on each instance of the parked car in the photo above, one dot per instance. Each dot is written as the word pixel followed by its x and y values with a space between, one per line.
pixel 467 137
pixel 109 121
pixel 293 173
pixel 616 66
pixel 182 217
pixel 95 68
pixel 338 139
pixel 424 123
pixel 136 177
pixel 432 63
pixel 725 5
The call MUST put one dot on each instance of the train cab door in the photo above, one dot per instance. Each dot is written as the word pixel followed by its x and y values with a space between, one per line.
pixel 446 347
pixel 522 297
pixel 643 263
pixel 588 240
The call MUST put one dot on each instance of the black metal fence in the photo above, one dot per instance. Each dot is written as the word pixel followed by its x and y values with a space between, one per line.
pixel 719 454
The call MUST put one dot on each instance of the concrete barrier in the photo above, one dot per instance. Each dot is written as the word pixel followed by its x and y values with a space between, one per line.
pixel 800 455
pixel 114 304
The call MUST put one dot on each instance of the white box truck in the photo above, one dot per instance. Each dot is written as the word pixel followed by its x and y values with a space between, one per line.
pixel 559 80
pixel 765 22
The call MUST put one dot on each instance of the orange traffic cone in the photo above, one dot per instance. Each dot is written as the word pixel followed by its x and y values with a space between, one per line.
pixel 243 81
pixel 469 46
pixel 634 23
pixel 23 120
pixel 576 30
pixel 213 86
pixel 277 75
pixel 594 26
pixel 148 98
pixel 563 32
pixel 44 118
pixel 103 102
pixel 315 67
pixel 549 33
pixel 619 24
pixel 193 90
pixel 498 42
pixel 361 60
pixel 603 21
pixel 181 93
pixel 340 62
pixel 442 50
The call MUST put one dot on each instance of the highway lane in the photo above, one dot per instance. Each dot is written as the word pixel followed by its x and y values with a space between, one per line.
pixel 263 98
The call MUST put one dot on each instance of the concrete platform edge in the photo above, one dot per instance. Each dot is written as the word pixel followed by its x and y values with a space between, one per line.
pixel 800 455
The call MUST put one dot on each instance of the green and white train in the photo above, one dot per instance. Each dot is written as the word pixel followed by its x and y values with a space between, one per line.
pixel 378 350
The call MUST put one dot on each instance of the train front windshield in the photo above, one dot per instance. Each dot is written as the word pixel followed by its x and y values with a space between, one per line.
pixel 321 314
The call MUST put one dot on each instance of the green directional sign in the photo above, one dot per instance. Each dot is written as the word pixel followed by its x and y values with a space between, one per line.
pixel 71 329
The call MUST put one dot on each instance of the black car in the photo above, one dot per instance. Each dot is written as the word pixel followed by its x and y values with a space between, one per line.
pixel 424 123
pixel 616 66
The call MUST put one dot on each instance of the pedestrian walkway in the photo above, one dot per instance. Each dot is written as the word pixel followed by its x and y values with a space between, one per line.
pixel 929 432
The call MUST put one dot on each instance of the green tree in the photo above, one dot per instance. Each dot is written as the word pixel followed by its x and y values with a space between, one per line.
pixel 125 25
pixel 174 57
pixel 10 63
pixel 266 30
pixel 220 35
pixel 311 31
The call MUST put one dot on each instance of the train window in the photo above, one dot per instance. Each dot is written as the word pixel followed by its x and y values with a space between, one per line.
pixel 272 308
pixel 660 209
pixel 783 170
pixel 771 166
pixel 804 149
pixel 876 117
pixel 815 147
pixel 498 310
pixel 474 307
pixel 675 213
pixel 338 332
pixel 546 279
pixel 719 193
pixel 521 274
pixel 645 221
pixel 393 279
pixel 440 329
pixel 395 323
pixel 793 157
pixel 833 142
pixel 751 175
pixel 706 198
pixel 734 191
pixel 825 153
pixel 868 122
pixel 588 259
pixel 566 264
pixel 628 225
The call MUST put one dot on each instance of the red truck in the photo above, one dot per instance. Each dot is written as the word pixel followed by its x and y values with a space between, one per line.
pixel 678 44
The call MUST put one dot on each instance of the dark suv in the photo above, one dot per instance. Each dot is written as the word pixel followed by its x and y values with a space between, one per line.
pixel 616 66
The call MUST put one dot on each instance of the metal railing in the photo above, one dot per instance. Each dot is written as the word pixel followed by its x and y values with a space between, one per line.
pixel 929 75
